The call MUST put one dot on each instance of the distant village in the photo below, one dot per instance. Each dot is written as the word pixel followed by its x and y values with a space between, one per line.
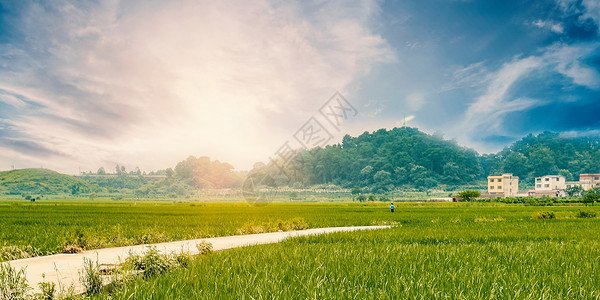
pixel 507 185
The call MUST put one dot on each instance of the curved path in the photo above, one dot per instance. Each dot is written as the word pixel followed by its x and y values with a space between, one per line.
pixel 63 269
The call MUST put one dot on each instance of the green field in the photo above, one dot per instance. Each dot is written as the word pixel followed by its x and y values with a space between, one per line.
pixel 46 228
pixel 438 250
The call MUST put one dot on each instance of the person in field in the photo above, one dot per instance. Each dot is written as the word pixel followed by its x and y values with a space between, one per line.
pixel 392 207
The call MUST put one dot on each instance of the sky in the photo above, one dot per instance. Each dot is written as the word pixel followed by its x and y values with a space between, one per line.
pixel 146 84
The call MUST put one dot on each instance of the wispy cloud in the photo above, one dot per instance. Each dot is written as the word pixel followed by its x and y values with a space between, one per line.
pixel 149 83
pixel 485 116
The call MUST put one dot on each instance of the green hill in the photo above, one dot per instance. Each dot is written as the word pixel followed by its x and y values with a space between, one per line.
pixel 406 157
pixel 39 181
pixel 383 160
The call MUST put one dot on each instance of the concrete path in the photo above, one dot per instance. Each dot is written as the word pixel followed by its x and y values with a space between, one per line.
pixel 63 269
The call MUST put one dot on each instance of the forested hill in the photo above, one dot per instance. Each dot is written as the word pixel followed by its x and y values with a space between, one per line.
pixel 407 157
pixel 38 181
pixel 544 154
pixel 401 157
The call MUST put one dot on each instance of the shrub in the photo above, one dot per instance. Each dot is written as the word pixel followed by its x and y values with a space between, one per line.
pixel 585 214
pixel 16 252
pixel 72 249
pixel 204 248
pixel 544 215
pixel 47 290
pixel 13 284
pixel 298 224
pixel 90 277
pixel 152 262
pixel 182 259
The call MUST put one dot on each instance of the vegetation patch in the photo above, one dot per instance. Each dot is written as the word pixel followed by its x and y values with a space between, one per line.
pixel 544 215
pixel 13 284
pixel 16 252
pixel 585 214
pixel 279 225
pixel 484 219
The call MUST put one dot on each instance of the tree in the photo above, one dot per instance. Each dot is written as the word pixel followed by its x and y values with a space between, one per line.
pixel 568 175
pixel 592 195
pixel 75 189
pixel 293 195
pixel 169 172
pixel 101 171
pixel 590 198
pixel 356 191
pixel 574 190
pixel 372 197
pixel 361 198
pixel 469 195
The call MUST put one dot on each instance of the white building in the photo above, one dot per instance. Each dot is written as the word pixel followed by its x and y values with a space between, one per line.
pixel 550 182
pixel 585 185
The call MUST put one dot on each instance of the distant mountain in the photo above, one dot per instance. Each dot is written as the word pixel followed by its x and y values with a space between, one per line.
pixel 39 182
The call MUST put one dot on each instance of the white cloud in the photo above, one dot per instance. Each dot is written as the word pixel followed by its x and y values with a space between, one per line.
pixel 471 76
pixel 149 83
pixel 12 100
pixel 485 116
pixel 592 10
pixel 549 25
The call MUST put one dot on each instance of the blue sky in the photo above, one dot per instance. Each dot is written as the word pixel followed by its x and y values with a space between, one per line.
pixel 85 84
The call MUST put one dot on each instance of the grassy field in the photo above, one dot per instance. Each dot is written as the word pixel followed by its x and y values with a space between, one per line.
pixel 438 250
pixel 40 229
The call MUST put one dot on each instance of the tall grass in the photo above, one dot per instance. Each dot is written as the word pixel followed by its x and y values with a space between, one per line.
pixel 40 229
pixel 513 257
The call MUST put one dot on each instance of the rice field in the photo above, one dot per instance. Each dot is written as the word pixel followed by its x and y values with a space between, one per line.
pixel 464 253
pixel 41 229
pixel 436 250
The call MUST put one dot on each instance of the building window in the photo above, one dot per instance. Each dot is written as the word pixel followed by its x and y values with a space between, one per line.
pixel 556 178
pixel 499 179
pixel 568 185
pixel 546 185
pixel 596 178
pixel 539 185
pixel 491 187
pixel 538 179
pixel 547 179
pixel 491 179
pixel 499 187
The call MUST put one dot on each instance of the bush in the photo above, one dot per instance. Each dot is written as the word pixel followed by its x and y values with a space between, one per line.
pixel 17 252
pixel 47 291
pixel 72 249
pixel 585 214
pixel 204 248
pixel 182 260
pixel 90 277
pixel 544 215
pixel 152 262
pixel 13 284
